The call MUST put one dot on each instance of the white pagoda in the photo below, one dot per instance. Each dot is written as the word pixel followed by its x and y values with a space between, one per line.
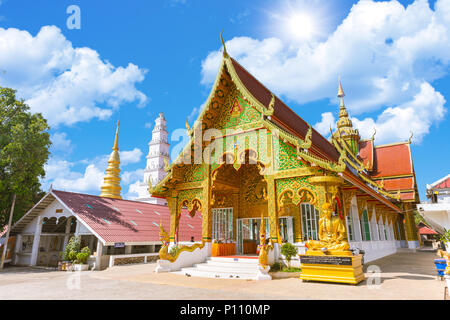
pixel 158 151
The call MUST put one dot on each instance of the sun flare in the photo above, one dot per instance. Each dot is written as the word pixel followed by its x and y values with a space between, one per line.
pixel 301 26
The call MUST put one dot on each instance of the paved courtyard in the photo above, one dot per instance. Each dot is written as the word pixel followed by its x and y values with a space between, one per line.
pixel 404 275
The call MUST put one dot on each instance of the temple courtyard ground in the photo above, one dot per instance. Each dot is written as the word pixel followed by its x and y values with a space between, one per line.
pixel 404 275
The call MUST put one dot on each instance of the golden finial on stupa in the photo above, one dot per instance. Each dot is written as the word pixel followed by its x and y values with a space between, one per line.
pixel 341 93
pixel 345 128
pixel 111 183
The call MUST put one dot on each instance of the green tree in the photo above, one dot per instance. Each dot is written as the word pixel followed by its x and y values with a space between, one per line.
pixel 288 250
pixel 24 149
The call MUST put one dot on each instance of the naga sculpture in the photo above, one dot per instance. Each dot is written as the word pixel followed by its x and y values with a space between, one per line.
pixel 164 251
pixel 263 247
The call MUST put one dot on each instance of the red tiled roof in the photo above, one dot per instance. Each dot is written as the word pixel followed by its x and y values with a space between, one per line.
pixel 407 196
pixel 392 160
pixel 442 184
pixel 426 230
pixel 399 184
pixel 117 220
pixel 366 153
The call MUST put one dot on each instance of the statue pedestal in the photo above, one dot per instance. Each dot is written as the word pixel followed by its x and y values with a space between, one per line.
pixel 332 268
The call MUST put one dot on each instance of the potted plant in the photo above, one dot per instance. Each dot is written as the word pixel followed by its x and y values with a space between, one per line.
pixel 288 250
pixel 81 260
pixel 70 253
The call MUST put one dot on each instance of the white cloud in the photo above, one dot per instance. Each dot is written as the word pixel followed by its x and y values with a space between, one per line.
pixel 133 156
pixel 383 52
pixel 61 143
pixel 415 116
pixel 133 190
pixel 132 176
pixel 90 180
pixel 62 175
pixel 326 123
pixel 66 84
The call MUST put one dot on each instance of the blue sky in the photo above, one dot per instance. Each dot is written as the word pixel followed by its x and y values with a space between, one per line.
pixel 143 57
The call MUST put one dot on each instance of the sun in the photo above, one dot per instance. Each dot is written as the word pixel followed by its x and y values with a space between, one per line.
pixel 301 26
pixel 301 21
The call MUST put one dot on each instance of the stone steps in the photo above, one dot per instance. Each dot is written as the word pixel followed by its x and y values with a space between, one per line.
pixel 224 268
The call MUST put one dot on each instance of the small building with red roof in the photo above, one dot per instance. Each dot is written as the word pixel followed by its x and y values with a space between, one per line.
pixel 116 231
pixel 436 211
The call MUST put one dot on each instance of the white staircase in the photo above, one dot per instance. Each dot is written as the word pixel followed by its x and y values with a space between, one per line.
pixel 224 268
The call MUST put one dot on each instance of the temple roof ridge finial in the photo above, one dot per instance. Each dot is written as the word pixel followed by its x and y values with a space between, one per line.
pixel 225 53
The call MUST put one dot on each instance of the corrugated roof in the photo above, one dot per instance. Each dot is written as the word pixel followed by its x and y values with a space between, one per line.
pixel 117 220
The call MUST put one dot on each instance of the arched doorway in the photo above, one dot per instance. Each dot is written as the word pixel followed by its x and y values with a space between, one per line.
pixel 239 200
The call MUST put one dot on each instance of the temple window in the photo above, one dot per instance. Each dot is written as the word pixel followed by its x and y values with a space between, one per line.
pixel 310 222
pixel 374 228
pixel 365 226
pixel 380 231
pixel 350 228
pixel 222 228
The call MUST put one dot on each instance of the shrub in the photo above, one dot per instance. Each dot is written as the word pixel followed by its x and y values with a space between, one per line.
pixel 72 248
pixel 82 257
pixel 288 250
pixel 276 267
pixel 445 238
pixel 86 250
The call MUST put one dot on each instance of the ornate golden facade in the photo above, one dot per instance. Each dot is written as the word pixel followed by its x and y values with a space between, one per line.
pixel 260 167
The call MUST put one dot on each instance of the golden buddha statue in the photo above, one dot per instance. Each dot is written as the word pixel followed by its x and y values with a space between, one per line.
pixel 236 109
pixel 332 235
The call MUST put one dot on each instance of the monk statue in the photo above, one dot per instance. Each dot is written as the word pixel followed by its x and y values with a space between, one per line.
pixel 332 234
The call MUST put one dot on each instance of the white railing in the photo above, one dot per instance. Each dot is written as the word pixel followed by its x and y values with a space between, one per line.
pixel 122 259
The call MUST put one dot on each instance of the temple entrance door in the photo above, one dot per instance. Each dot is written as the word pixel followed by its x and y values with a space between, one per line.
pixel 248 234
pixel 222 224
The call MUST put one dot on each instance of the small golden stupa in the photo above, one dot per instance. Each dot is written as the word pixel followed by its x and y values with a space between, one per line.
pixel 345 128
pixel 111 183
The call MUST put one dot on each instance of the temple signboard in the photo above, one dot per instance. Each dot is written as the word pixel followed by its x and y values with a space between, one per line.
pixel 332 260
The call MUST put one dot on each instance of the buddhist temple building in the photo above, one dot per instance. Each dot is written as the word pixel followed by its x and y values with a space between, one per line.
pixel 251 157
pixel 117 231
pixel 436 211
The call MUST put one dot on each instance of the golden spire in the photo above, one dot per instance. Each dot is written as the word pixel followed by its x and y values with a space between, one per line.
pixel 111 183
pixel 341 93
pixel 225 53
pixel 345 128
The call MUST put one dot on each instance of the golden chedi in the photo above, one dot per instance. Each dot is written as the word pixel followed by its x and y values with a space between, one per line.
pixel 332 235
pixel 111 183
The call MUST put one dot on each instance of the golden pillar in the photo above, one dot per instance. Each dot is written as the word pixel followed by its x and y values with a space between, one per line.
pixel 235 199
pixel 172 203
pixel 206 206
pixel 410 224
pixel 272 208
pixel 295 212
